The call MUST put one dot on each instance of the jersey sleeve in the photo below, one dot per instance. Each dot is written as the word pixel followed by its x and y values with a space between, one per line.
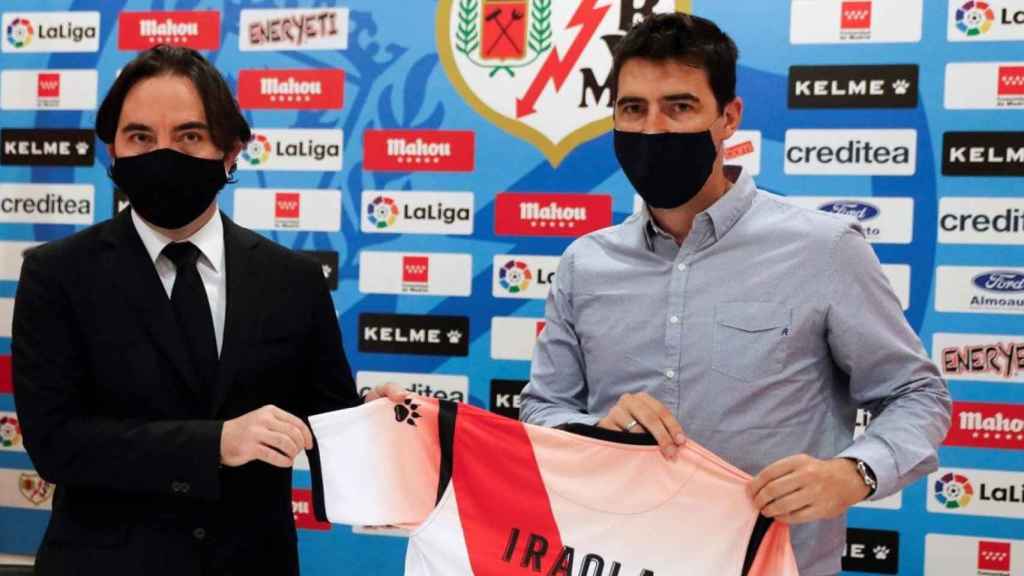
pixel 378 464
pixel 775 554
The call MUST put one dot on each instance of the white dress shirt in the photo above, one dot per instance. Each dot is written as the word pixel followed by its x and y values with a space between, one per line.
pixel 210 241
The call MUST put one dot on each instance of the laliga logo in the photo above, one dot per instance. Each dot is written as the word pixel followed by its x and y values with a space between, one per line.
pixel 539 68
pixel 382 212
pixel 1000 281
pixel 19 32
pixel 953 491
pixel 10 432
pixel 257 151
pixel 974 18
pixel 515 276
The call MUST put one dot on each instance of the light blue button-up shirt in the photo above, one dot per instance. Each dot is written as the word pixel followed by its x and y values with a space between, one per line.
pixel 763 333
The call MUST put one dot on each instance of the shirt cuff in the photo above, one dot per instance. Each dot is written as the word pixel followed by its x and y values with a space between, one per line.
pixel 879 458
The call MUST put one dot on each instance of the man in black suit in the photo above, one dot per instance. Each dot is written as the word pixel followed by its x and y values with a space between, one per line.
pixel 164 359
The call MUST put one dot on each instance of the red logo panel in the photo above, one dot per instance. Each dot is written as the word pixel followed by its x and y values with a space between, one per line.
pixel 517 214
pixel 199 30
pixel 291 89
pixel 419 150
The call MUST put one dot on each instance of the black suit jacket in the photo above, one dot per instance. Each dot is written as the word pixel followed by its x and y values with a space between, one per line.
pixel 112 414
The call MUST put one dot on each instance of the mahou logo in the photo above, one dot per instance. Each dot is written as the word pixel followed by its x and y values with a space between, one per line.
pixel 517 214
pixel 538 69
pixel 199 30
pixel 419 150
pixel 983 425
pixel 291 89
pixel 302 510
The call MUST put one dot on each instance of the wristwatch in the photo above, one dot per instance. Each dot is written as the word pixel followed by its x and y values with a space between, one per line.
pixel 868 475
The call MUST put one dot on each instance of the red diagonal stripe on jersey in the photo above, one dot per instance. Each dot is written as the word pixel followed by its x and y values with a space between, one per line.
pixel 499 489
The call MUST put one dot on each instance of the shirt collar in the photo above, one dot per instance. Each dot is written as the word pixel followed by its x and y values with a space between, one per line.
pixel 724 213
pixel 209 239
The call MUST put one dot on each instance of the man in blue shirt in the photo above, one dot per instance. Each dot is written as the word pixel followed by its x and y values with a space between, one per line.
pixel 757 326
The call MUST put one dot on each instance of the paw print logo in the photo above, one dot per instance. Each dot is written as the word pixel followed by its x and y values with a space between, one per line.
pixel 82 148
pixel 454 336
pixel 881 552
pixel 901 86
pixel 406 412
pixel 326 269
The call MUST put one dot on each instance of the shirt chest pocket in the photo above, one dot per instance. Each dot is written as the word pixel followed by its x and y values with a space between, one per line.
pixel 750 339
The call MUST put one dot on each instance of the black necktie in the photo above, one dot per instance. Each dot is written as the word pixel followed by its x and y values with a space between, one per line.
pixel 192 310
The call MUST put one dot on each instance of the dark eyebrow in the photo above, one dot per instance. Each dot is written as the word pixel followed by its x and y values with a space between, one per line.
pixel 624 100
pixel 194 125
pixel 136 127
pixel 683 97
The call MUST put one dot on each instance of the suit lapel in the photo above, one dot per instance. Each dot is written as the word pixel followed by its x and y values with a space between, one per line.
pixel 137 281
pixel 242 317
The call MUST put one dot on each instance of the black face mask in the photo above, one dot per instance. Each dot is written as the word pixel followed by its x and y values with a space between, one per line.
pixel 167 188
pixel 669 168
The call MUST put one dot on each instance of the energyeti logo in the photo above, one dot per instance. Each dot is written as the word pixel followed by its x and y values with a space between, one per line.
pixel 382 212
pixel 974 18
pixel 257 151
pixel 953 491
pixel 515 276
pixel 19 32
pixel 539 68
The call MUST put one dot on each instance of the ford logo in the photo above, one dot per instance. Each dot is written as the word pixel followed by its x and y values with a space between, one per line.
pixel 859 210
pixel 1000 281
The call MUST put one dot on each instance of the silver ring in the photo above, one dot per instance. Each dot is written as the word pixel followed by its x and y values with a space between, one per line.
pixel 631 424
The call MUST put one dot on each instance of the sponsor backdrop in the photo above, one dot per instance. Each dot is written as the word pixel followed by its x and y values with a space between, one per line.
pixel 437 156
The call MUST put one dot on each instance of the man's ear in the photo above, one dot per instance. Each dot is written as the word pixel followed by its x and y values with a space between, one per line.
pixel 733 114
pixel 232 156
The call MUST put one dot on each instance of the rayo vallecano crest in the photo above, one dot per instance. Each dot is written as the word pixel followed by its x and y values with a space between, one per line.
pixel 539 68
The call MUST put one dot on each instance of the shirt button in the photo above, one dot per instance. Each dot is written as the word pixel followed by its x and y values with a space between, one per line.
pixel 670 373
pixel 674 319
pixel 199 534
pixel 681 267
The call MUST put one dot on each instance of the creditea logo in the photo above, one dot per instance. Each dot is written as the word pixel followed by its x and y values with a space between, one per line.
pixel 977 492
pixel 948 555
pixel 427 274
pixel 513 338
pixel 293 29
pixel 46 203
pixel 419 150
pixel 983 154
pixel 981 357
pixel 419 212
pixel 884 220
pixel 441 386
pixel 884 152
pixel 525 214
pixel 297 210
pixel 312 150
pixel 48 89
pixel 981 220
pixel 522 276
pixel 76 31
pixel 199 30
pixel 985 21
pixel 291 89
pixel 984 425
pixel 302 511
pixel 855 21
pixel 984 85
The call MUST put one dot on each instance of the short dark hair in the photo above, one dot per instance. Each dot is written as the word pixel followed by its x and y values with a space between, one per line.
pixel 227 125
pixel 692 40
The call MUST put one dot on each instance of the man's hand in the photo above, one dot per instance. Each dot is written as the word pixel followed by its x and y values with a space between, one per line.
pixel 387 390
pixel 802 489
pixel 267 434
pixel 642 412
